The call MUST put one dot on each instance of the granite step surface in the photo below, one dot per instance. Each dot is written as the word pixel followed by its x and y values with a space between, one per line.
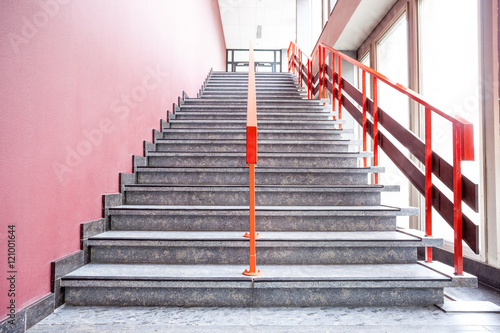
pixel 264 146
pixel 260 101
pixel 268 218
pixel 235 134
pixel 242 115
pixel 292 195
pixel 284 160
pixel 274 248
pixel 263 176
pixel 299 124
pixel 279 285
pixel 262 109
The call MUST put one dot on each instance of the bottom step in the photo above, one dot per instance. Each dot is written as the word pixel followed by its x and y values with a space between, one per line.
pixel 283 285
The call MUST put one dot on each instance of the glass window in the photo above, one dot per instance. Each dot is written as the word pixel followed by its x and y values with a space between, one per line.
pixel 392 61
pixel 449 78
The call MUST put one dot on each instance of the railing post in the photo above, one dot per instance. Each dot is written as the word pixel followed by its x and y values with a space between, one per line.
pixel 375 126
pixel 428 181
pixel 300 67
pixel 363 80
pixel 339 83
pixel 309 79
pixel 251 160
pixel 319 72
pixel 324 73
pixel 457 198
pixel 288 57
pixel 333 83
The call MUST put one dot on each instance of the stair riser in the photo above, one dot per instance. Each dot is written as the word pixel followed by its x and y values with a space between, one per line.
pixel 239 101
pixel 213 85
pixel 239 178
pixel 242 125
pixel 244 89
pixel 240 198
pixel 221 161
pixel 260 96
pixel 252 297
pixel 263 148
pixel 243 116
pixel 261 110
pixel 286 254
pixel 232 222
pixel 261 136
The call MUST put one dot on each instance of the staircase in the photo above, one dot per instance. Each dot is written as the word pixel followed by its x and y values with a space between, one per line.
pixel 325 239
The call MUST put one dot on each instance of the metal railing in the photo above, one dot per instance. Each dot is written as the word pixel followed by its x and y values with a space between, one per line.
pixel 251 150
pixel 326 78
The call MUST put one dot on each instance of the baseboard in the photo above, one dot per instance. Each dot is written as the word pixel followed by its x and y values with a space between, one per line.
pixel 29 315
pixel 485 274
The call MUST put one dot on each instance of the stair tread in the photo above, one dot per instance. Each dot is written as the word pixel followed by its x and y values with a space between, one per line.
pixel 243 141
pixel 264 188
pixel 264 208
pixel 346 236
pixel 281 101
pixel 263 169
pixel 236 130
pixel 280 121
pixel 338 272
pixel 283 154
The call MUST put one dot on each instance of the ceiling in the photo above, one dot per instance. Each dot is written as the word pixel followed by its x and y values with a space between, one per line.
pixel 367 15
pixel 240 19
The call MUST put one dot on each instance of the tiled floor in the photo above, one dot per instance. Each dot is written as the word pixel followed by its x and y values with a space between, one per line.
pixel 369 319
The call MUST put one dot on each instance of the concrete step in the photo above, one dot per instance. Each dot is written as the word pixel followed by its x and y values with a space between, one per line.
pixel 230 160
pixel 241 101
pixel 244 88
pixel 262 124
pixel 242 115
pixel 264 146
pixel 258 81
pixel 274 248
pixel 261 109
pixel 263 176
pixel 240 134
pixel 279 285
pixel 268 218
pixel 293 195
pixel 260 84
pixel 261 96
pixel 272 83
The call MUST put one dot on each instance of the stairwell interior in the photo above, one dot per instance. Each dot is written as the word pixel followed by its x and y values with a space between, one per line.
pixel 325 238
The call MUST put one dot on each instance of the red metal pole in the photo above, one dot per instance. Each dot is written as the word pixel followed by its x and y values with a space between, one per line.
pixel 300 67
pixel 375 126
pixel 428 181
pixel 324 74
pixel 333 84
pixel 293 59
pixel 309 79
pixel 339 83
pixel 288 57
pixel 319 72
pixel 251 158
pixel 363 79
pixel 457 198
pixel 253 271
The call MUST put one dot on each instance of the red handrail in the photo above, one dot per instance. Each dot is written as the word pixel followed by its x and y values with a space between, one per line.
pixel 251 160
pixel 463 149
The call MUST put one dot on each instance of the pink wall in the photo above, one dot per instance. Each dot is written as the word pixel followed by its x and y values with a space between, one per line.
pixel 82 85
